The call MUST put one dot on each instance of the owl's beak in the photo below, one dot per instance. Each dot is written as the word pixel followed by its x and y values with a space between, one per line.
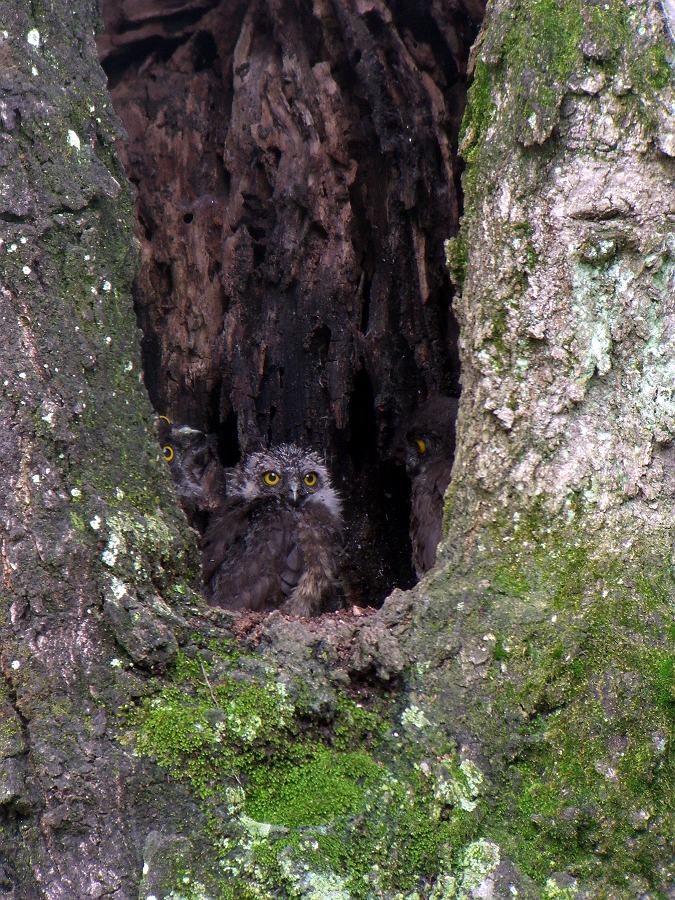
pixel 293 492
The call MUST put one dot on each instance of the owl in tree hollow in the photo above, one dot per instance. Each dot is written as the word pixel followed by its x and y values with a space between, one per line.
pixel 430 448
pixel 275 540
pixel 198 474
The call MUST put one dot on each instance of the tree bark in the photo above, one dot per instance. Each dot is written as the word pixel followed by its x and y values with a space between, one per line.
pixel 502 729
pixel 566 269
pixel 93 550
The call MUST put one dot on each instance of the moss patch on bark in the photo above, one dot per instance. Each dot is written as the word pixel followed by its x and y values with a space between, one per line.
pixel 292 803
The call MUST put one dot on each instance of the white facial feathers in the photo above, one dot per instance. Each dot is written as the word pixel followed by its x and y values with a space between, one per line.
pixel 288 474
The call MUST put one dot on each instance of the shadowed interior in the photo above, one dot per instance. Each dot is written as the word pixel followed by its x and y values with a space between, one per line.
pixel 296 174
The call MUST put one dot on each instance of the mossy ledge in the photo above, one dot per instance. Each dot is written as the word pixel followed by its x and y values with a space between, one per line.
pixel 555 777
pixel 339 803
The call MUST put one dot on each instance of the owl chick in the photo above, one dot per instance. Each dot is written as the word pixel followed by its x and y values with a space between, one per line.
pixel 275 540
pixel 429 452
pixel 198 474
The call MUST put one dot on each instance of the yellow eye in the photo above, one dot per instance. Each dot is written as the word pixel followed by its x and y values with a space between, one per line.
pixel 168 453
pixel 421 446
pixel 311 479
pixel 271 478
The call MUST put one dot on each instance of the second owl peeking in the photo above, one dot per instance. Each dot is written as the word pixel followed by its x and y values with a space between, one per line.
pixel 273 538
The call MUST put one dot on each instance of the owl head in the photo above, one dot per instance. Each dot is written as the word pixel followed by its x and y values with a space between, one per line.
pixel 195 467
pixel 430 435
pixel 286 474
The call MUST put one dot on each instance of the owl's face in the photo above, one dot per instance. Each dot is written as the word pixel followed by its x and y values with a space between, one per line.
pixel 431 435
pixel 193 460
pixel 286 474
pixel 420 448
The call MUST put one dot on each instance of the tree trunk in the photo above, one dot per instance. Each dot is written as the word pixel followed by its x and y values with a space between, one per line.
pixel 500 730
pixel 94 553
pixel 566 266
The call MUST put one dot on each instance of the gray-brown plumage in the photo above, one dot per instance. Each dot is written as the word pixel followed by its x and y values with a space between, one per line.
pixel 197 472
pixel 275 541
pixel 429 451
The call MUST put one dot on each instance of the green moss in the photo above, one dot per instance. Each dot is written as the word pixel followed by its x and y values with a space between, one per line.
pixel 341 806
pixel 661 668
pixel 657 68
pixel 354 724
pixel 590 786
pixel 510 579
pixel 500 319
pixel 216 731
pixel 576 711
pixel 538 52
pixel 541 48
pixel 499 651
pixel 608 25
pixel 613 28
pixel 329 785
pixel 77 521
pixel 212 735
pixel 573 793
pixel 534 48
pixel 11 737
pixel 554 891
pixel 405 838
pixel 456 258
pixel 480 111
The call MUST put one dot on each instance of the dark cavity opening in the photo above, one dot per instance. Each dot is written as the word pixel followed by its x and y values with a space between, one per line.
pixel 308 301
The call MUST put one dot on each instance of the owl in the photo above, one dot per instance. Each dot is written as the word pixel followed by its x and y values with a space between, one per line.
pixel 274 543
pixel 197 472
pixel 429 452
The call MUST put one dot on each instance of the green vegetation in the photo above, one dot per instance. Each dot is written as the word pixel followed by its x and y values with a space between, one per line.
pixel 479 113
pixel 541 50
pixel 576 710
pixel 456 259
pixel 590 789
pixel 356 802
pixel 317 790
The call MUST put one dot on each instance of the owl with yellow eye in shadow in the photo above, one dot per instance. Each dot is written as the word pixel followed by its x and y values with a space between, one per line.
pixel 198 474
pixel 429 451
pixel 275 543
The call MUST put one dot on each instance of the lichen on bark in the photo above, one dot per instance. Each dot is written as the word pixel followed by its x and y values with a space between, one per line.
pixel 565 304
pixel 563 483
pixel 80 470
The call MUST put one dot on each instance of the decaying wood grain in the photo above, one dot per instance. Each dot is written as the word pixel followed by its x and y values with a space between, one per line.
pixel 295 174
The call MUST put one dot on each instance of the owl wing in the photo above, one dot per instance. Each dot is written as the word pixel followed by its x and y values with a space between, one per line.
pixel 427 514
pixel 249 557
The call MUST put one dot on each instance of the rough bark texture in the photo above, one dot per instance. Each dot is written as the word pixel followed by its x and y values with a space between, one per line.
pixel 89 561
pixel 502 730
pixel 296 172
pixel 295 169
pixel 567 305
